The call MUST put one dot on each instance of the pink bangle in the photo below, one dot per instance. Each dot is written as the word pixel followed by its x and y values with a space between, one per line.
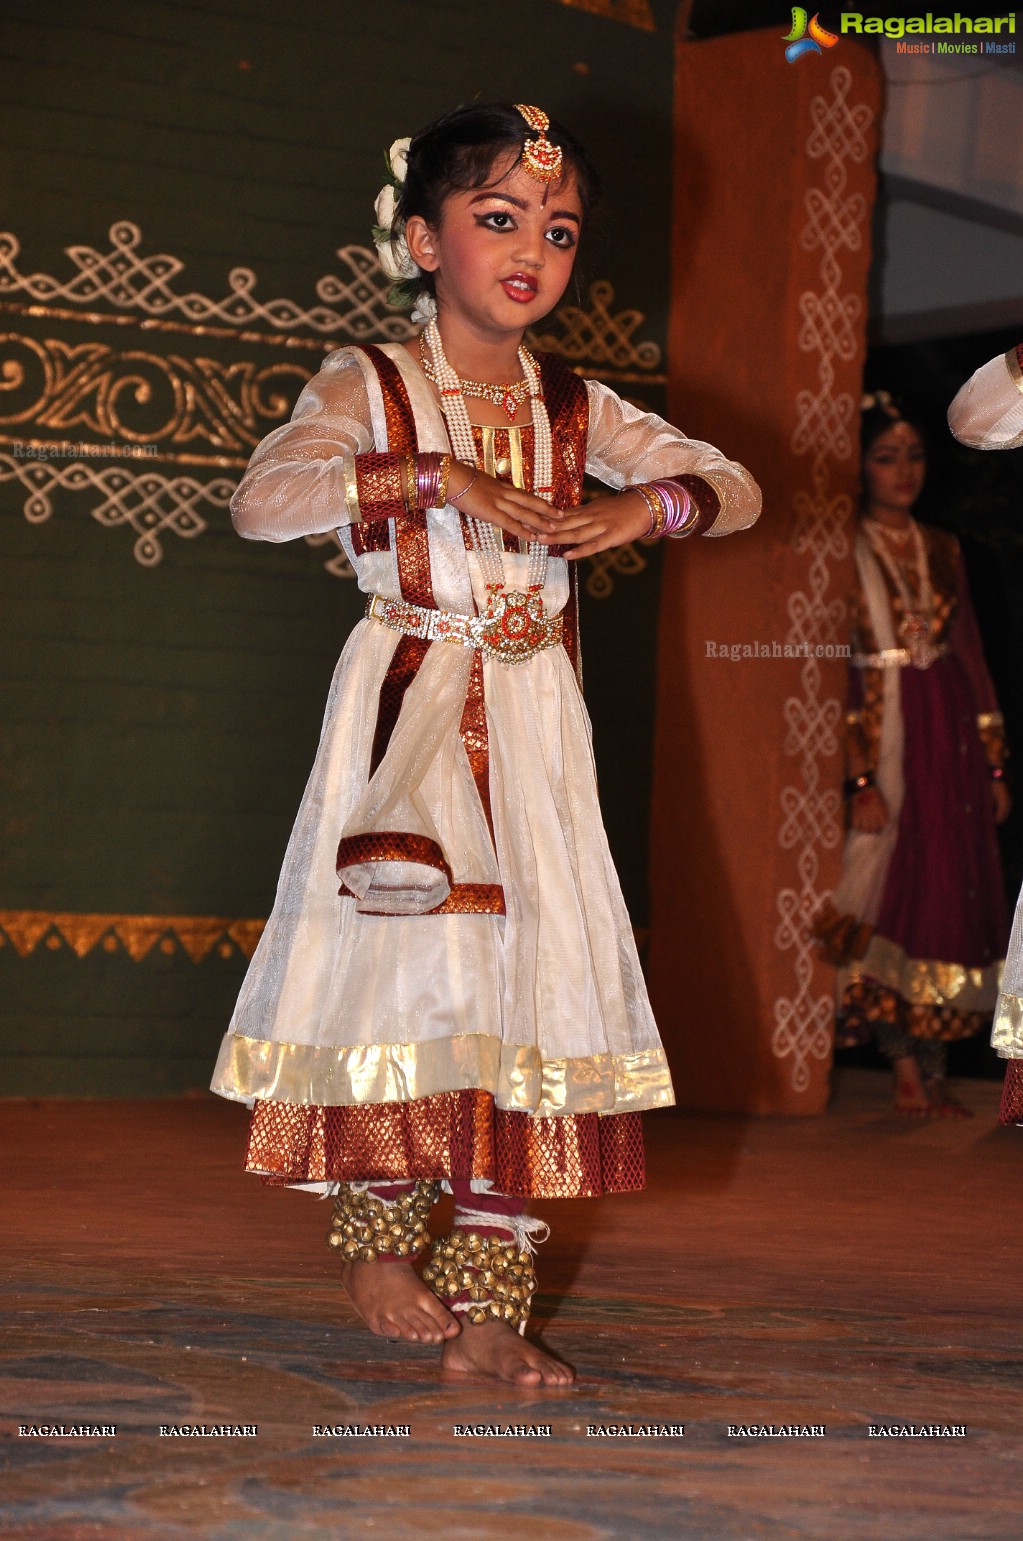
pixel 679 505
pixel 428 469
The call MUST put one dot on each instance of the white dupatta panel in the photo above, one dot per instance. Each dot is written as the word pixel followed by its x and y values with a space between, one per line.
pixel 544 1006
pixel 866 858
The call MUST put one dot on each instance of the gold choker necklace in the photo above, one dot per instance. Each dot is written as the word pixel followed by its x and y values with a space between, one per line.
pixel 508 397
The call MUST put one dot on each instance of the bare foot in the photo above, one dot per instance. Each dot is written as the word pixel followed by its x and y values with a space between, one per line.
pixel 395 1303
pixel 910 1097
pixel 944 1106
pixel 496 1351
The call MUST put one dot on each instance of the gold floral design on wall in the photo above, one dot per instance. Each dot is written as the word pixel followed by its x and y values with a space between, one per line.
pixel 158 438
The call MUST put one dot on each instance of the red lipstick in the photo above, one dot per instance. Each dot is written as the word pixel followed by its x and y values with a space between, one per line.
pixel 520 287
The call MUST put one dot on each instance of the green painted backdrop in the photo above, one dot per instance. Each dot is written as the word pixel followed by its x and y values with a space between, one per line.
pixel 160 716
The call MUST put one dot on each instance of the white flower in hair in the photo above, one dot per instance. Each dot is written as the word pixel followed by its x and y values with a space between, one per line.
pixel 393 256
pixel 424 309
pixel 398 157
pixel 389 236
pixel 385 207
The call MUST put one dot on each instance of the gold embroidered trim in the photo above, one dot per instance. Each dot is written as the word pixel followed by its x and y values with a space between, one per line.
pixel 520 1079
pixel 1015 373
pixel 927 981
pixel 351 488
pixel 137 935
pixel 1007 1033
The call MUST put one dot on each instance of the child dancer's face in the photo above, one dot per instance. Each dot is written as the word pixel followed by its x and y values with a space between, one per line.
pixel 503 253
pixel 894 468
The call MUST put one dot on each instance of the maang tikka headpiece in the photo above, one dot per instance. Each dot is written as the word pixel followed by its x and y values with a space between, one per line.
pixel 541 159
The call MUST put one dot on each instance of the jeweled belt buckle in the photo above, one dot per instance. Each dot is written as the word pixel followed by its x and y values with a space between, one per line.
pixel 515 627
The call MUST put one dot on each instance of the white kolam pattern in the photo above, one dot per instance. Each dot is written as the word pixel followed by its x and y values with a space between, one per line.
pixel 826 425
pixel 123 281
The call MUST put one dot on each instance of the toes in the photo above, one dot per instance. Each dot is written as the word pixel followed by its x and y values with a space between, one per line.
pixel 439 1318
pixel 427 1327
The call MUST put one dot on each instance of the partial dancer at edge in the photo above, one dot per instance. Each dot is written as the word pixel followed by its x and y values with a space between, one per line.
pixel 467 1008
pixel 987 413
pixel 917 924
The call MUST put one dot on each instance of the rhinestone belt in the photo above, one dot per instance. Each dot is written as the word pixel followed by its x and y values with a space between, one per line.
pixel 514 629
pixel 891 658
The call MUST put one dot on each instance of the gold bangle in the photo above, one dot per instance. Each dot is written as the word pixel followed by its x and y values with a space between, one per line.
pixel 445 476
pixel 411 496
pixel 658 512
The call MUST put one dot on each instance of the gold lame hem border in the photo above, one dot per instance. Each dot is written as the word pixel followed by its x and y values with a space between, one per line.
pixel 1007 1032
pixel 927 981
pixel 519 1078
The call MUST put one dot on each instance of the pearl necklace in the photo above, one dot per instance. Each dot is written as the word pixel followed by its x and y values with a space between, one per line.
pixel 486 539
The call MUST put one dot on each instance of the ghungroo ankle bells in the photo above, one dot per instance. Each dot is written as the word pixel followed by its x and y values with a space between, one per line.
pixel 495 1277
pixel 365 1228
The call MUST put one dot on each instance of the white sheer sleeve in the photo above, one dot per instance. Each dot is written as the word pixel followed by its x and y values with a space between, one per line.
pixel 626 445
pixel 988 411
pixel 295 482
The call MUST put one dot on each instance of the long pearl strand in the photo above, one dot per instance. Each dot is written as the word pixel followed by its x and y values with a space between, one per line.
pixel 486 539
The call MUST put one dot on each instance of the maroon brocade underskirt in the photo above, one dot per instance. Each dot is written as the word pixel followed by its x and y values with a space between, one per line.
pixel 1011 1110
pixel 865 1005
pixel 455 1135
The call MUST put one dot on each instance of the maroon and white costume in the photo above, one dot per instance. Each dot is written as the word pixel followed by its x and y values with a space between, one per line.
pixel 470 1005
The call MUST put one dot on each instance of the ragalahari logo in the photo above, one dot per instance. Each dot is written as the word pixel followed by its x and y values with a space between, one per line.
pixel 807 36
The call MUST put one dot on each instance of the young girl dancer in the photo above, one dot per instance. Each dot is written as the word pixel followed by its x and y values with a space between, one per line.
pixel 917 925
pixel 447 991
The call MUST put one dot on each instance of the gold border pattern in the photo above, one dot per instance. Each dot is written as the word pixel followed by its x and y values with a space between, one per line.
pixel 927 981
pixel 136 935
pixel 634 13
pixel 1007 1032
pixel 519 1077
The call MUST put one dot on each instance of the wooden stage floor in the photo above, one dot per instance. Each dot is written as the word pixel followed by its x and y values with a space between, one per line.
pixel 850 1271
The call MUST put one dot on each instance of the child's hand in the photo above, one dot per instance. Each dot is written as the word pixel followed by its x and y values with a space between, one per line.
pixel 603 523
pixel 502 504
pixel 869 811
pixel 1002 801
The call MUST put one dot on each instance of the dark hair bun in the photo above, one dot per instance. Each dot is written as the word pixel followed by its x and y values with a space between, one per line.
pixel 457 154
pixel 880 410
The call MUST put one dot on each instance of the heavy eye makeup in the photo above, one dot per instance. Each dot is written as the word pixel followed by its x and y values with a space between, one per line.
pixel 890 457
pixel 502 221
